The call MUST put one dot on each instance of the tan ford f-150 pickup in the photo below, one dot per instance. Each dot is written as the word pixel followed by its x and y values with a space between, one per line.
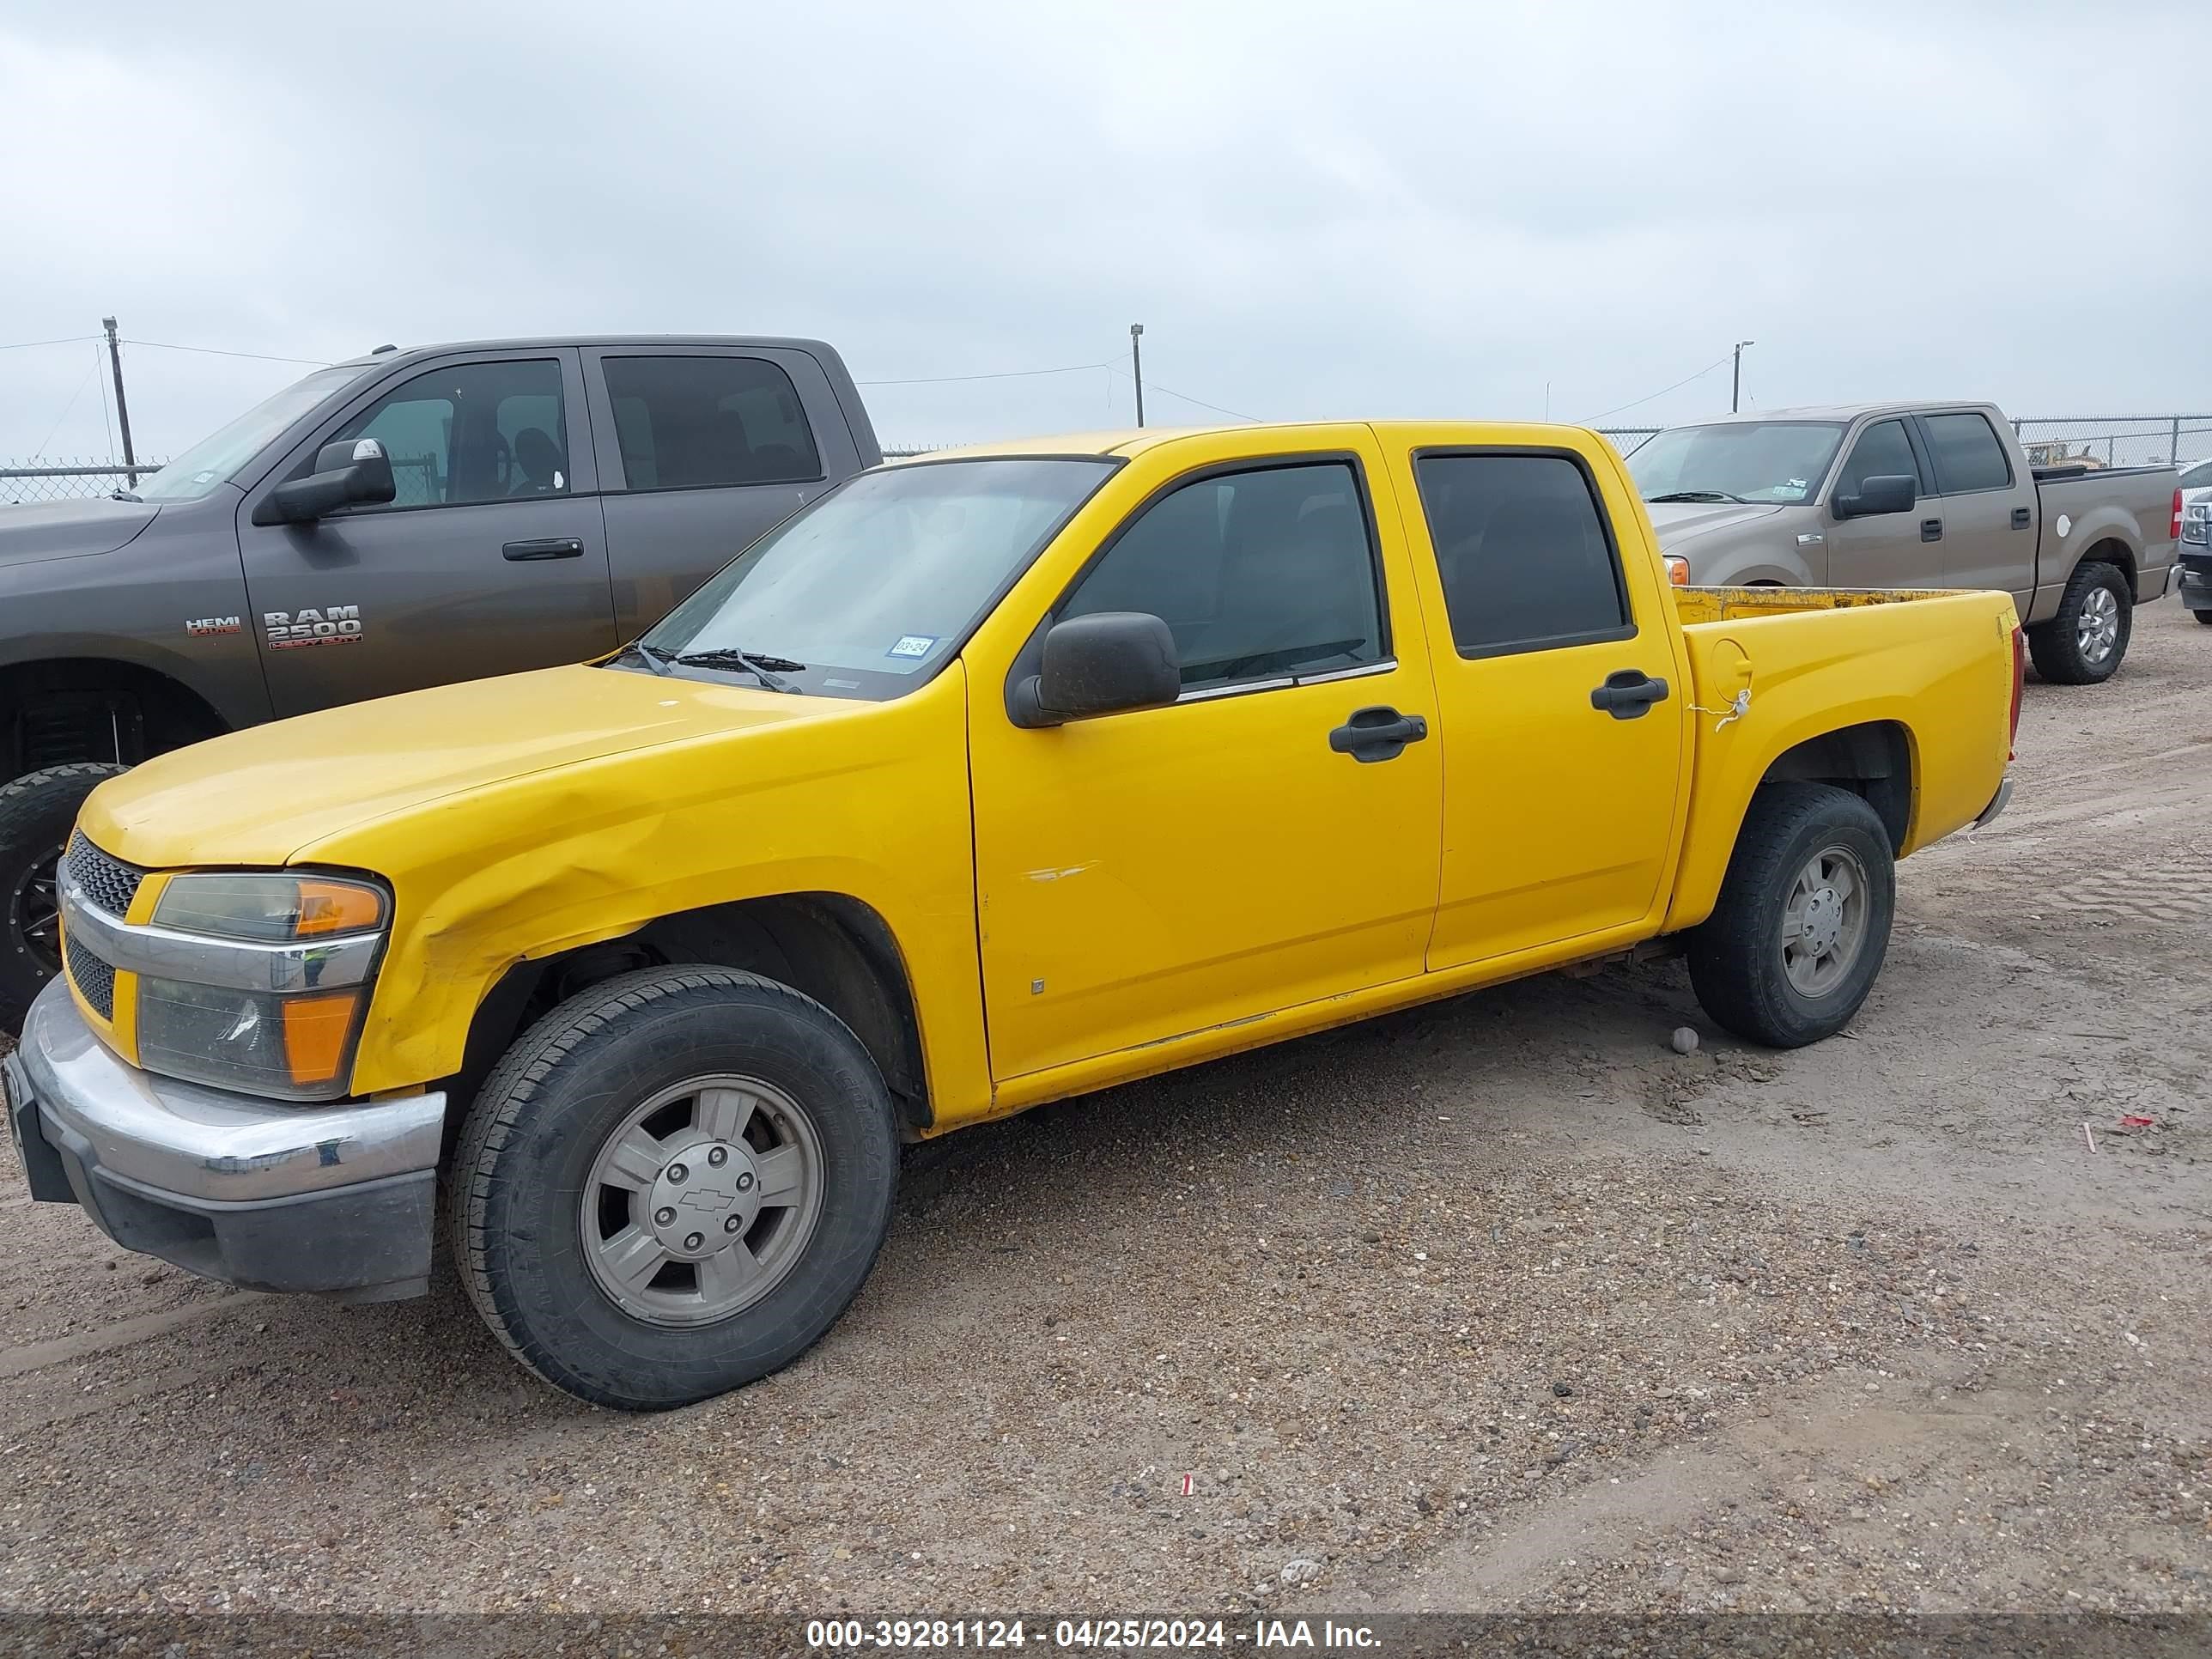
pixel 1925 494
pixel 984 781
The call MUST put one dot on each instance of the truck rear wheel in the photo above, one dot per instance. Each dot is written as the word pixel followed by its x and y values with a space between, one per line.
pixel 672 1185
pixel 2205 617
pixel 1802 925
pixel 2082 645
pixel 37 812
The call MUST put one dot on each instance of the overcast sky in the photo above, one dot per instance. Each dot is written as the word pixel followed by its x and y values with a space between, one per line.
pixel 1316 210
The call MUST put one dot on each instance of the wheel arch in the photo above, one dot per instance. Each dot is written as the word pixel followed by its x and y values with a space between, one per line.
pixel 2109 548
pixel 833 947
pixel 55 710
pixel 1874 760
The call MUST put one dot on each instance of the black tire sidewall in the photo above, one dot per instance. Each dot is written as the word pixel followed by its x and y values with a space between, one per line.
pixel 531 1250
pixel 1740 960
pixel 2055 645
pixel 37 812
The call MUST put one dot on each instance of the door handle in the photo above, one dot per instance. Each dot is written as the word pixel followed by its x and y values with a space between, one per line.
pixel 1931 529
pixel 554 547
pixel 2021 518
pixel 1628 694
pixel 1378 734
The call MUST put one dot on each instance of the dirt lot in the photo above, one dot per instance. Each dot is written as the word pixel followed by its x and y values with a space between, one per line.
pixel 1498 1304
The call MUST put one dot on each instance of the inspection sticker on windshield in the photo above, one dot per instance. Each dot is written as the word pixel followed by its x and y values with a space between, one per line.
pixel 1792 491
pixel 913 645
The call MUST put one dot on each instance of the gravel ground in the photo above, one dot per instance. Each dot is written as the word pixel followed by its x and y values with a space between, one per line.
pixel 1497 1305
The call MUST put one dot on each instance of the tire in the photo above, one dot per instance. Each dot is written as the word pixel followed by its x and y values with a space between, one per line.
pixel 2205 617
pixel 2083 643
pixel 539 1196
pixel 37 812
pixel 1739 959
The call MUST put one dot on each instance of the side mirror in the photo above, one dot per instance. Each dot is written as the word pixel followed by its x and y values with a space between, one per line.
pixel 1891 492
pixel 1100 664
pixel 352 470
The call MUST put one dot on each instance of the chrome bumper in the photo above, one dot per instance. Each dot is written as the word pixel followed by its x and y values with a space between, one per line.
pixel 1997 803
pixel 334 1198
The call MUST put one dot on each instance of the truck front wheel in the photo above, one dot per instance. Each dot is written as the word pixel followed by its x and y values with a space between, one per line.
pixel 37 812
pixel 2082 645
pixel 1802 925
pixel 672 1185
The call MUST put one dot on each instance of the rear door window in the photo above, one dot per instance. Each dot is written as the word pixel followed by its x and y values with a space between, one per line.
pixel 694 423
pixel 1966 454
pixel 1524 554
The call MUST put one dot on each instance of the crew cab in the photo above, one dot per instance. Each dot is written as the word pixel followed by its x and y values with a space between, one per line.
pixel 989 779
pixel 1926 494
pixel 402 519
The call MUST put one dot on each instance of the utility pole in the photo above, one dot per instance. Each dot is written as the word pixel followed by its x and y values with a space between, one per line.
pixel 1736 386
pixel 122 408
pixel 1137 366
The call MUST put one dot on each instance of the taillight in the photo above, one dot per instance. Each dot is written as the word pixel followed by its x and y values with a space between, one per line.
pixel 2019 680
pixel 2175 532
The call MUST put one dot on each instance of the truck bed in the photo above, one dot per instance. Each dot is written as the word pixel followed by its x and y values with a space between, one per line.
pixel 1903 661
pixel 1697 605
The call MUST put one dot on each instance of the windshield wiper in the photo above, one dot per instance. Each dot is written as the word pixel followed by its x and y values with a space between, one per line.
pixel 1700 495
pixel 645 653
pixel 765 669
pixel 125 495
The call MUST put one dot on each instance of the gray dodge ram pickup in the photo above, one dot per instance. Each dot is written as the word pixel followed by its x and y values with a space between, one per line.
pixel 397 522
pixel 1918 495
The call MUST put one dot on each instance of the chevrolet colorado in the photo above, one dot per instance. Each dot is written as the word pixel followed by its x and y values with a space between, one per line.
pixel 986 779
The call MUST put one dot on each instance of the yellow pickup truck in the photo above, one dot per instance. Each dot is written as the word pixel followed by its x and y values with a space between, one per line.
pixel 986 779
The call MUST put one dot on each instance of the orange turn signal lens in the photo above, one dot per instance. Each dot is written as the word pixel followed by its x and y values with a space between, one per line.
pixel 316 1034
pixel 1678 570
pixel 336 906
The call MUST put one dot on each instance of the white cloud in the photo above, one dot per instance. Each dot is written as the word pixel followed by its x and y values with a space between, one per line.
pixel 1315 210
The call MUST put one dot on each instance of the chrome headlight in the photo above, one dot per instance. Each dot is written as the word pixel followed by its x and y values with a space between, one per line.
pixel 257 982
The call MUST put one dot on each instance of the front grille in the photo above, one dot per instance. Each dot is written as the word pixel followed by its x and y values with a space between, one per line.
pixel 110 883
pixel 94 979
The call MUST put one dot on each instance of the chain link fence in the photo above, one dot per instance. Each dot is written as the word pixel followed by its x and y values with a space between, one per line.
pixel 2095 441
pixel 2114 440
pixel 64 480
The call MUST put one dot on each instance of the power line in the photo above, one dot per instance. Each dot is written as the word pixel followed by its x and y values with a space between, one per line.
pixel 217 351
pixel 25 345
pixel 1186 397
pixel 1660 392
pixel 1005 374
pixel 104 421
pixel 68 406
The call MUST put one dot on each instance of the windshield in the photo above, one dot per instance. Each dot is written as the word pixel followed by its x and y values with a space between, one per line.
pixel 868 591
pixel 212 460
pixel 1740 461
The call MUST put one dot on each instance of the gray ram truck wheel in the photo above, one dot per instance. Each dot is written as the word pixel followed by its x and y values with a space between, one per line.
pixel 37 812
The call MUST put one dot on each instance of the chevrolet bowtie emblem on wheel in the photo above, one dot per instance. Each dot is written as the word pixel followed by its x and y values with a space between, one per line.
pixel 707 1201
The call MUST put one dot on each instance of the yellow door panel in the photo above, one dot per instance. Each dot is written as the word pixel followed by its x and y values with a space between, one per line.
pixel 1146 875
pixel 1560 815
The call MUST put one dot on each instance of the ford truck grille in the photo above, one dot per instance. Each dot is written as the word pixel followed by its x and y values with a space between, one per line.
pixel 94 979
pixel 110 883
